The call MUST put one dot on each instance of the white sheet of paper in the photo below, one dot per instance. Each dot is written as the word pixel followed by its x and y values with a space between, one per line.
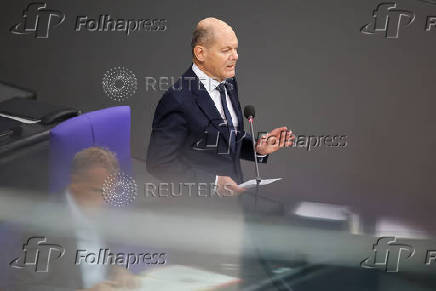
pixel 252 183
pixel 22 120
pixel 183 278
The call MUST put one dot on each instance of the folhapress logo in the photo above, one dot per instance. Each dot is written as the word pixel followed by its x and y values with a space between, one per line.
pixel 38 20
pixel 386 255
pixel 38 253
pixel 388 20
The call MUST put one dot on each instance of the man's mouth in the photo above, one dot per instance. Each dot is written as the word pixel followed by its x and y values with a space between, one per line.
pixel 231 66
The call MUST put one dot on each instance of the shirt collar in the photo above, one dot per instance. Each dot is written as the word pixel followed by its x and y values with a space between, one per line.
pixel 76 212
pixel 209 83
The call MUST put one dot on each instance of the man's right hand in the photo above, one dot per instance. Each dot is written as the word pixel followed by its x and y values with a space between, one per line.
pixel 103 286
pixel 227 187
pixel 120 278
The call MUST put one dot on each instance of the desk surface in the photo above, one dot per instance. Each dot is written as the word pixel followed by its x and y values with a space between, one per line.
pixel 30 134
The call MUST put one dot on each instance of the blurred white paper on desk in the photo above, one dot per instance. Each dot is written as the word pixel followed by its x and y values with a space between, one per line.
pixel 183 278
pixel 20 119
pixel 252 183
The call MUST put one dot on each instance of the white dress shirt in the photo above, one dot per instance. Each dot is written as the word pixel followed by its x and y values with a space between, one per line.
pixel 87 239
pixel 210 85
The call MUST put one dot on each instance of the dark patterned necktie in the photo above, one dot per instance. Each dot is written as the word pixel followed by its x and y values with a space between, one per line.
pixel 232 133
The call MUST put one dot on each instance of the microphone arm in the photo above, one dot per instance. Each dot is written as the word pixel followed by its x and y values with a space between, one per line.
pixel 251 121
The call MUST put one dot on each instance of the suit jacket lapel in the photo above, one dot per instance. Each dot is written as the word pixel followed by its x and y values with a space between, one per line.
pixel 206 104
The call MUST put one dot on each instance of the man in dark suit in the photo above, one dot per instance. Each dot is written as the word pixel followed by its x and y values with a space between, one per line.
pixel 198 128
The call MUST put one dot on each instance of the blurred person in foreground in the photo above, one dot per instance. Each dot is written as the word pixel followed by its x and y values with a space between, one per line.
pixel 90 168
pixel 82 202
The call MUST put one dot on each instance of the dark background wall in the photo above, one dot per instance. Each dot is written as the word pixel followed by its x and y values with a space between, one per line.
pixel 304 64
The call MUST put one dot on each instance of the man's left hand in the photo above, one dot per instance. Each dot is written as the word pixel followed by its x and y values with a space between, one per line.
pixel 274 140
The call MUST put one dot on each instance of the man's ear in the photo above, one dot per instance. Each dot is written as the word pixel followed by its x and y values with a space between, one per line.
pixel 199 53
pixel 74 188
pixel 75 180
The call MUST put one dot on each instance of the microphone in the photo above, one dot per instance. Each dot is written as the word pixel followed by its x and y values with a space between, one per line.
pixel 250 113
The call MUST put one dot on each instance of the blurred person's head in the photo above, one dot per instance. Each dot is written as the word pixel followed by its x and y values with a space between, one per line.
pixel 89 170
pixel 215 48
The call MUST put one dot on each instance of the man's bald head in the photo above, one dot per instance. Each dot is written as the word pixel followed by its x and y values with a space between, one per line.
pixel 214 48
pixel 205 31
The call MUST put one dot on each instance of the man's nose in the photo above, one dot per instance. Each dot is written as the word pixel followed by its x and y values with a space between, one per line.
pixel 235 55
